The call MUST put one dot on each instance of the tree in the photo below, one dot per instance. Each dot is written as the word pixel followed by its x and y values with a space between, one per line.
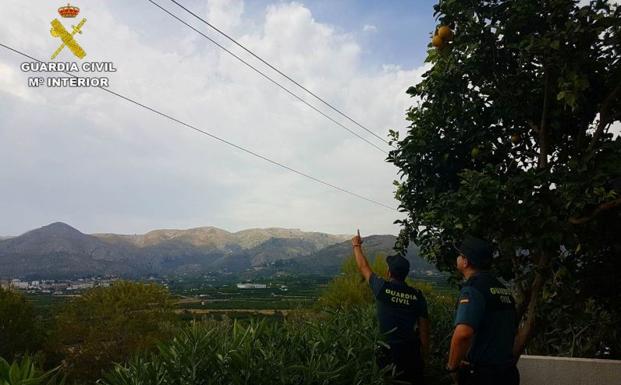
pixel 108 325
pixel 349 289
pixel 510 140
pixel 20 331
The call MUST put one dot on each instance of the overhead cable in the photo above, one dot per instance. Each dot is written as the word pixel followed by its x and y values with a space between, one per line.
pixel 279 71
pixel 267 77
pixel 201 131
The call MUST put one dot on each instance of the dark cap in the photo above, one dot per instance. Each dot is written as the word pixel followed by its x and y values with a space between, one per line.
pixel 479 252
pixel 398 265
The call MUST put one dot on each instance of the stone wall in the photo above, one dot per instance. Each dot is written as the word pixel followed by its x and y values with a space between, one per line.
pixel 538 370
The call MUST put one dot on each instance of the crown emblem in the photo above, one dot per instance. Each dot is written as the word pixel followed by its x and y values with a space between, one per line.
pixel 69 11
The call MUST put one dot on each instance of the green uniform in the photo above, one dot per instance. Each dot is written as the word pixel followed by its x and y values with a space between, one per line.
pixel 488 307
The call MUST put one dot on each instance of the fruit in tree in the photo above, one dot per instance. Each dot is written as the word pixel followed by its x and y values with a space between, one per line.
pixel 516 138
pixel 475 152
pixel 445 33
pixel 437 42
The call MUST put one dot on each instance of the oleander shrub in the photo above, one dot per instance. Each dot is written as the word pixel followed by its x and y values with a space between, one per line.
pixel 335 348
pixel 26 372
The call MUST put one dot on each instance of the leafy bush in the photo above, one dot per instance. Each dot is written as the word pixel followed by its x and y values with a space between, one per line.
pixel 20 331
pixel 108 325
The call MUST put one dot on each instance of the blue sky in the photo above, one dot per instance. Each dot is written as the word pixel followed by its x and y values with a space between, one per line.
pixel 403 27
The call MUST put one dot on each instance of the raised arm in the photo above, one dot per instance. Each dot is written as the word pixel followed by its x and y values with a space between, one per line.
pixel 361 260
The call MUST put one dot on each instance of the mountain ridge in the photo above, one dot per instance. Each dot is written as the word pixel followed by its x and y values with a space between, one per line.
pixel 58 250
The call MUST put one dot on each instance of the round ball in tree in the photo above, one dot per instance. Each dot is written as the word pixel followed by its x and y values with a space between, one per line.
pixel 475 152
pixel 438 42
pixel 445 33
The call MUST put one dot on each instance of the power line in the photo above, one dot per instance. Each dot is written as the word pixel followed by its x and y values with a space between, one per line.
pixel 280 72
pixel 126 98
pixel 265 76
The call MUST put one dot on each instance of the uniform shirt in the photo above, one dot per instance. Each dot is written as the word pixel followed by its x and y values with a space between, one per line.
pixel 398 308
pixel 488 307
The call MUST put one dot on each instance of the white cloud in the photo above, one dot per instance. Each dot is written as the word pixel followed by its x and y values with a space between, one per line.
pixel 369 28
pixel 225 14
pixel 14 85
pixel 101 164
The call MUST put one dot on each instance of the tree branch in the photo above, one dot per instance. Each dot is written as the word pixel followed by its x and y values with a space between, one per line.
pixel 603 116
pixel 596 212
pixel 542 131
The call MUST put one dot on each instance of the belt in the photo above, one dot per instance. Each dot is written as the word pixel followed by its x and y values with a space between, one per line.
pixel 490 367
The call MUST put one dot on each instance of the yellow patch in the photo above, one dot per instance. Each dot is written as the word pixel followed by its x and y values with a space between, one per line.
pixel 58 30
pixel 464 300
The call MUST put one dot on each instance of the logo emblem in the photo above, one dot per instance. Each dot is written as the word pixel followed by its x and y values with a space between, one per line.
pixel 58 30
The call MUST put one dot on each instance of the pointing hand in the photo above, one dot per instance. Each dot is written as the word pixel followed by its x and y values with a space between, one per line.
pixel 357 240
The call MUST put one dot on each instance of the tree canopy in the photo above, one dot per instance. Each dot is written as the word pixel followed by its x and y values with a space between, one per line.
pixel 20 331
pixel 510 140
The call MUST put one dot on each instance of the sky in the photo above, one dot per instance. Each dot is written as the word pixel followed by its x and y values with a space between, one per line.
pixel 101 164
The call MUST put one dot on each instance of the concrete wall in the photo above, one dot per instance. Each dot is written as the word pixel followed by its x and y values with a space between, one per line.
pixel 538 370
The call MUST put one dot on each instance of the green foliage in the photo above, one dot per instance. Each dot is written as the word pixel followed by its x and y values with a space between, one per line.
pixel 336 348
pixel 335 344
pixel 25 372
pixel 107 325
pixel 20 331
pixel 350 289
pixel 548 76
pixel 584 334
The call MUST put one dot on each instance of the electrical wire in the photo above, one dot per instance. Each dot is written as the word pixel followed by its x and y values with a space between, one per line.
pixel 279 71
pixel 201 131
pixel 267 76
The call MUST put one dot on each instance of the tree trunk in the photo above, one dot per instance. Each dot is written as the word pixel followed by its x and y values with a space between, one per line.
pixel 527 326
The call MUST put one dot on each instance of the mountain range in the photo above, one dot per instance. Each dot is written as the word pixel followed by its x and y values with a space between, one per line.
pixel 60 251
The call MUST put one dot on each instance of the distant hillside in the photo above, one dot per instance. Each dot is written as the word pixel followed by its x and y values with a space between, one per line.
pixel 60 251
pixel 331 258
pixel 214 238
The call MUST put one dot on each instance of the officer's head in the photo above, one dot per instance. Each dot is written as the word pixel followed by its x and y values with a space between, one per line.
pixel 474 254
pixel 398 267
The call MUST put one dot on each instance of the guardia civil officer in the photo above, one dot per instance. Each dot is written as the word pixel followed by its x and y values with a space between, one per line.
pixel 402 316
pixel 485 324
